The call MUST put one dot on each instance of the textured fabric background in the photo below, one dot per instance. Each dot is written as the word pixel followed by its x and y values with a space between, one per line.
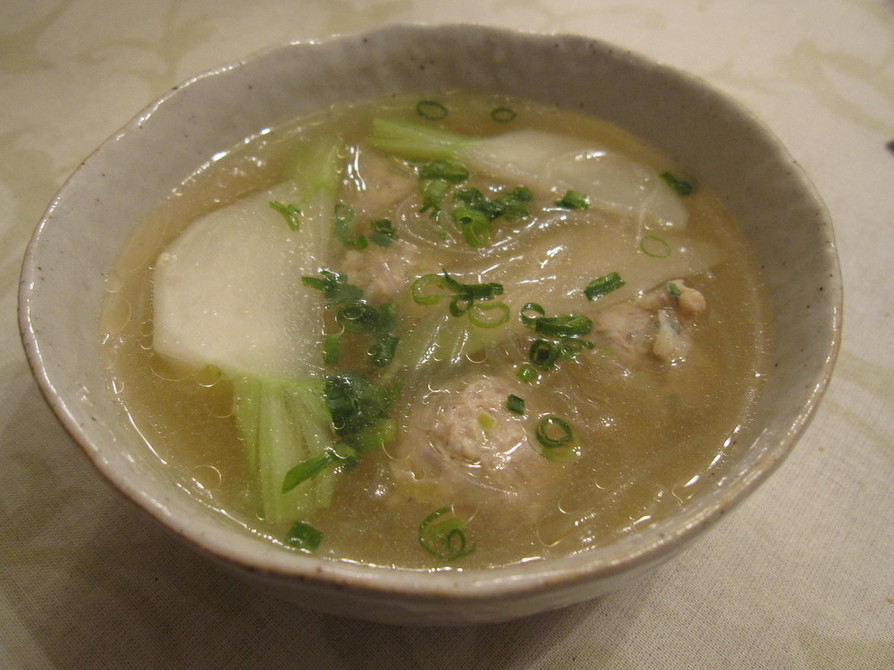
pixel 801 576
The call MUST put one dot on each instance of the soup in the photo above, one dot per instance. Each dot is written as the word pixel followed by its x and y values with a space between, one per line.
pixel 442 333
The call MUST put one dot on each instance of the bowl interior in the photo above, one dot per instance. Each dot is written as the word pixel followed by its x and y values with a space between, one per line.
pixel 87 224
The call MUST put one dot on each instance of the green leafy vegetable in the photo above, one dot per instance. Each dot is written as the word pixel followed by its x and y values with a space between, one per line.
pixel 603 285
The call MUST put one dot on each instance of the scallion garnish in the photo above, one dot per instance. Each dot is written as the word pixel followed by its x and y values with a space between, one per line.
pixel 515 404
pixel 561 335
pixel 544 354
pixel 655 247
pixel 335 287
pixel 431 110
pixel 488 314
pixel 382 232
pixel 680 186
pixel 290 213
pixel 472 300
pixel 474 225
pixel 303 537
pixel 357 317
pixel 603 285
pixel 573 200
pixel 565 325
pixel 502 114
pixel 555 436
pixel 530 312
pixel 527 373
pixel 344 224
pixel 441 534
pixel 450 171
pixel 331 348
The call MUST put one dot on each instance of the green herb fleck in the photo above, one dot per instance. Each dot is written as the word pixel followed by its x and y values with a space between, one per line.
pixel 573 200
pixel 680 186
pixel 290 213
pixel 674 292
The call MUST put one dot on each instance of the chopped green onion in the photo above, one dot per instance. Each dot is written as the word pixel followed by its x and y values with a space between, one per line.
pixel 654 247
pixel 358 317
pixel 543 354
pixel 515 404
pixel 422 293
pixel 526 314
pixel 344 220
pixel 513 205
pixel 382 350
pixel 680 186
pixel 573 200
pixel 553 432
pixel 303 537
pixel 335 287
pixel 431 110
pixel 603 285
pixel 433 193
pixel 502 114
pixel 355 403
pixel 450 171
pixel 475 226
pixel 566 325
pixel 290 213
pixel 442 535
pixel 527 373
pixel 331 348
pixel 382 232
pixel 488 314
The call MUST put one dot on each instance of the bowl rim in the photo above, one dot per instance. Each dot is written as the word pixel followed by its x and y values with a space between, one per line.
pixel 652 545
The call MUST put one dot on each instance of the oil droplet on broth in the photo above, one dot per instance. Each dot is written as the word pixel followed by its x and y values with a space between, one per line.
pixel 116 315
pixel 218 399
pixel 555 527
pixel 206 477
pixel 114 282
pixel 168 369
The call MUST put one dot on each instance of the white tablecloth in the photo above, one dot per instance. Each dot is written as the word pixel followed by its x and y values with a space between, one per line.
pixel 801 576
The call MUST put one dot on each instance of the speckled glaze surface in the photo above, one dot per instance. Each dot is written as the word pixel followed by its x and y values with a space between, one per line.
pixel 64 273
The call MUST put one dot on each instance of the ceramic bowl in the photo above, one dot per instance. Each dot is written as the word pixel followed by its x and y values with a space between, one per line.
pixel 94 213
